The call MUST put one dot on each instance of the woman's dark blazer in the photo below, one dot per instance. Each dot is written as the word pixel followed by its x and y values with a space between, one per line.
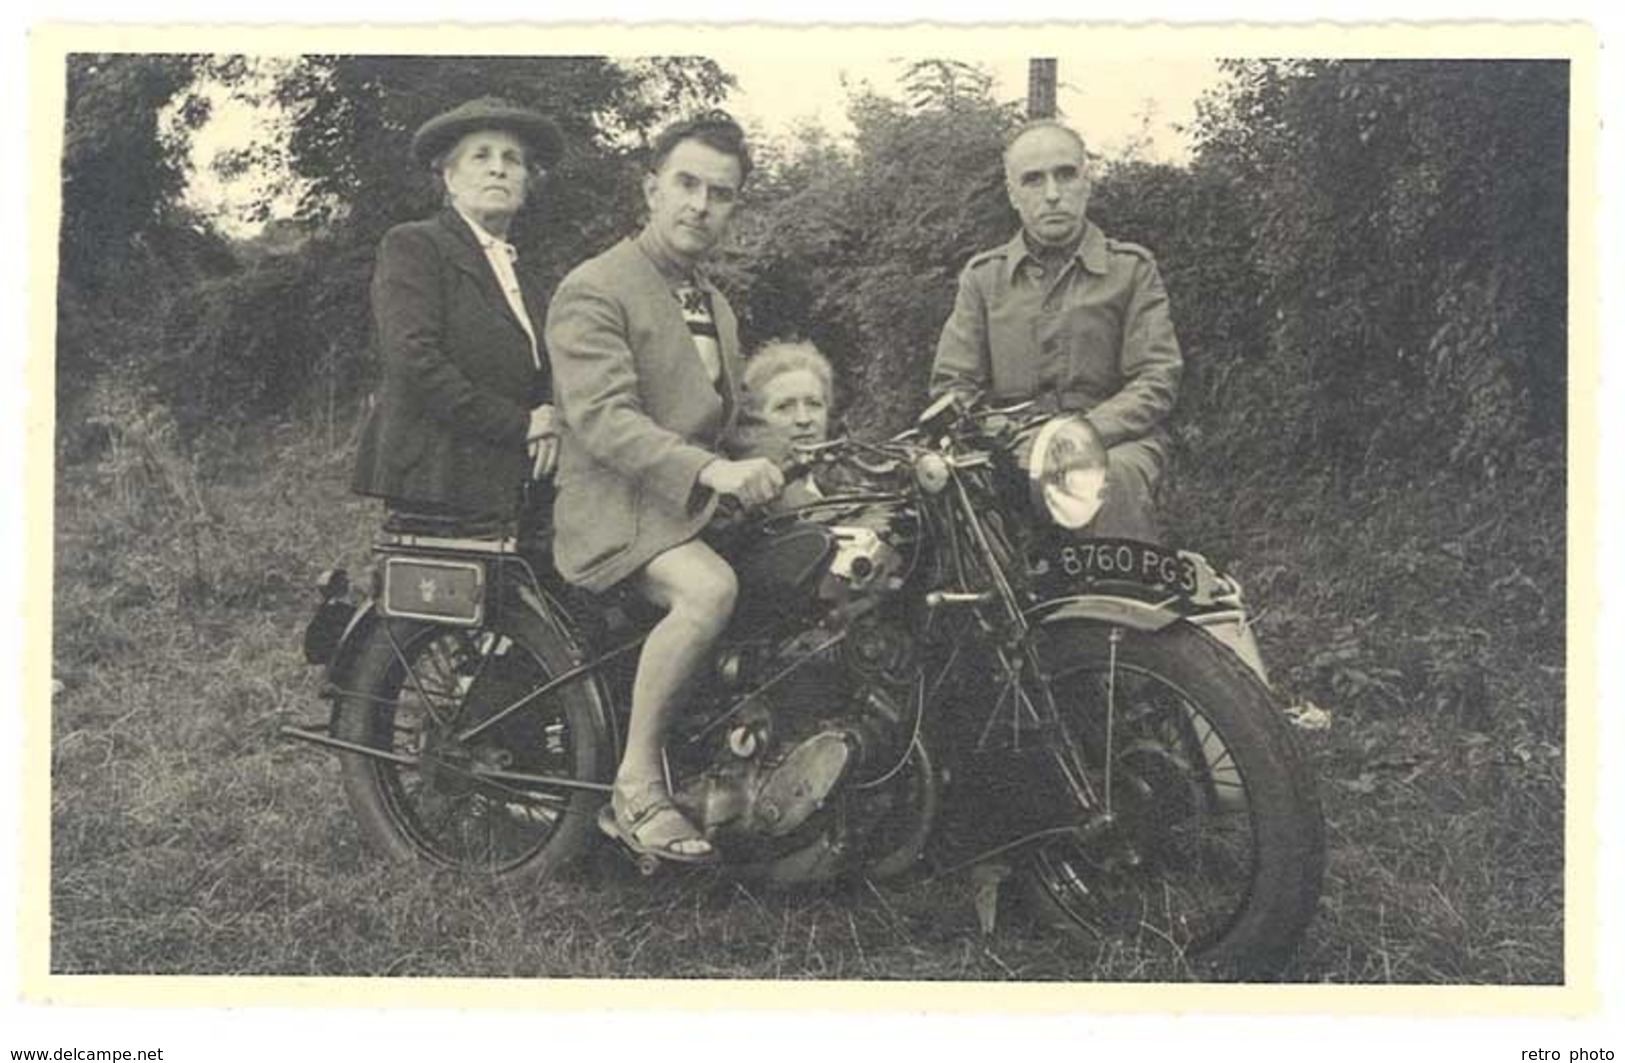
pixel 450 417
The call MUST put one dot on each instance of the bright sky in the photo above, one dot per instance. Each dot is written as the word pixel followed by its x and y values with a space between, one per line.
pixel 1113 103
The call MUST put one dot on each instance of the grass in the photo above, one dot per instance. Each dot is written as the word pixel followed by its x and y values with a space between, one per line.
pixel 188 837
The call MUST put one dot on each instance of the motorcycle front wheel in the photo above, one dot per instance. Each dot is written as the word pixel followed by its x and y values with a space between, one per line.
pixel 470 803
pixel 1214 844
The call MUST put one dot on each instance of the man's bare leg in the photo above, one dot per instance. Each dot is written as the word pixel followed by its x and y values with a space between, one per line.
pixel 698 590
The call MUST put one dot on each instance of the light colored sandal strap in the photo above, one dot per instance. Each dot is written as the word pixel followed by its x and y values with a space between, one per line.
pixel 640 807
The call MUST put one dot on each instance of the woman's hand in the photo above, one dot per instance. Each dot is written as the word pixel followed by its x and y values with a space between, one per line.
pixel 754 482
pixel 543 440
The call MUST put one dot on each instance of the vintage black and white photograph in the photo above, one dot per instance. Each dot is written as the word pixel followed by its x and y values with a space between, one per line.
pixel 964 508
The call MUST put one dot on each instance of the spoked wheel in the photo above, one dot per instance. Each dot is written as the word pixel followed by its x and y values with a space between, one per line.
pixel 475 803
pixel 1214 845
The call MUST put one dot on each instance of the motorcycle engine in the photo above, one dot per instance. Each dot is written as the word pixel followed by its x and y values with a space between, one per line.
pixel 810 713
pixel 797 764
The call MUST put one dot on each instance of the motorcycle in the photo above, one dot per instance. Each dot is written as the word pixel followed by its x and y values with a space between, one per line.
pixel 929 670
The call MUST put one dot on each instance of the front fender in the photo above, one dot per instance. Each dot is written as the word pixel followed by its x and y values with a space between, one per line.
pixel 1106 608
pixel 1228 626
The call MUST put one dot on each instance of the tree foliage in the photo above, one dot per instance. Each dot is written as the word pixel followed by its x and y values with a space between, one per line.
pixel 1410 254
pixel 1366 260
pixel 1197 226
pixel 858 248
pixel 125 243
pixel 122 172
pixel 352 119
pixel 251 341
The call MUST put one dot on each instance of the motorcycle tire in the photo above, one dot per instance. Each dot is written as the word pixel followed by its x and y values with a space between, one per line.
pixel 1217 844
pixel 411 687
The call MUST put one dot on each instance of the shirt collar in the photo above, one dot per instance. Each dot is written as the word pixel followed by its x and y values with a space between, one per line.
pixel 1091 252
pixel 487 241
pixel 675 274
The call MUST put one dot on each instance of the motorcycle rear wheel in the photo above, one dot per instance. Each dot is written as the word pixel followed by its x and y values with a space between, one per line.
pixel 1217 845
pixel 411 687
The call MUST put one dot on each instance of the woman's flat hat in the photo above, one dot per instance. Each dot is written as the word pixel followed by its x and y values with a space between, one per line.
pixel 538 133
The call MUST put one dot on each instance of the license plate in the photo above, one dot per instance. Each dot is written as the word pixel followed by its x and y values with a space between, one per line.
pixel 1107 563
pixel 450 592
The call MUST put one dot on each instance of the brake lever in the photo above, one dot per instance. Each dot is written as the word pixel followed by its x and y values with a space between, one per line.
pixel 1009 411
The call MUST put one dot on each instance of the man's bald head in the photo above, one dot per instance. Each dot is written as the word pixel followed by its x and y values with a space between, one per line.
pixel 1041 125
pixel 1046 176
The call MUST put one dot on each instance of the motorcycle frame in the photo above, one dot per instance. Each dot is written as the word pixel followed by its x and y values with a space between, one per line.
pixel 944 515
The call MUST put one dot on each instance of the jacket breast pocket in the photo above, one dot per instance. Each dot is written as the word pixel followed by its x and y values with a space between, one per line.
pixel 1013 353
pixel 1094 337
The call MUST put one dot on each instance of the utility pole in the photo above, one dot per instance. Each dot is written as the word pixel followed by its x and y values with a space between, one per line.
pixel 1040 88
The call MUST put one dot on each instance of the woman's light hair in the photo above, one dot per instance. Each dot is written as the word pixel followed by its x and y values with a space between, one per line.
pixel 777 357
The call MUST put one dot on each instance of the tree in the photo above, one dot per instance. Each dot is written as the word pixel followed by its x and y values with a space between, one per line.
pixel 352 118
pixel 1410 221
pixel 1196 223
pixel 122 172
pixel 124 240
pixel 251 343
pixel 859 250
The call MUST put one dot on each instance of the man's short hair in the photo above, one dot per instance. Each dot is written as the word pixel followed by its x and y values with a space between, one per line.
pixel 715 129
pixel 1035 125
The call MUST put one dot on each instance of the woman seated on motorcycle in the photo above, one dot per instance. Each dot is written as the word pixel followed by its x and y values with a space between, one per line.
pixel 790 403
pixel 462 419
pixel 789 393
pixel 645 357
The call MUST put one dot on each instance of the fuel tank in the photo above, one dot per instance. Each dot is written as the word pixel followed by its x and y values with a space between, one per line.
pixel 780 572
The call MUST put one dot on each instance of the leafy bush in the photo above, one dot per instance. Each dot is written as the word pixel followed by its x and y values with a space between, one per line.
pixel 1410 254
pixel 859 250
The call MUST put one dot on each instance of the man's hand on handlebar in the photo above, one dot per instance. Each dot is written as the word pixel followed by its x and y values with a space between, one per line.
pixel 754 481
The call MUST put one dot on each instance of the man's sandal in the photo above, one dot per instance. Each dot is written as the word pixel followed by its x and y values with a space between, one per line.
pixel 648 822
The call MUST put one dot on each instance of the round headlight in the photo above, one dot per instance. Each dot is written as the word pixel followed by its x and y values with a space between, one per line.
pixel 1067 471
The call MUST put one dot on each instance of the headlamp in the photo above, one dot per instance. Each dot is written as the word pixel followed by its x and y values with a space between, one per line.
pixel 1066 470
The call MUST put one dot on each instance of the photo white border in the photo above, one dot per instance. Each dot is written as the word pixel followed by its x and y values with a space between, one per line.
pixel 1596 941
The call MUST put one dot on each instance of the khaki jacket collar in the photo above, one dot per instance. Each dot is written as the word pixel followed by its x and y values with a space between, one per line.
pixel 1091 252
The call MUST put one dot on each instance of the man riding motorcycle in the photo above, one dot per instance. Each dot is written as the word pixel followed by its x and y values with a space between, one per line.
pixel 1070 317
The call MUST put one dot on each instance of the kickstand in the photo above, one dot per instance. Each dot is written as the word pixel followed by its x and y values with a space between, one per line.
pixel 985 880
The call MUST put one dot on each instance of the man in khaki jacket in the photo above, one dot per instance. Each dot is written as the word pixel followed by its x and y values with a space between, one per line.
pixel 646 369
pixel 1069 316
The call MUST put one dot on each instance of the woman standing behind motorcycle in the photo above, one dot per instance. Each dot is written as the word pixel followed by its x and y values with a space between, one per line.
pixel 462 418
pixel 645 355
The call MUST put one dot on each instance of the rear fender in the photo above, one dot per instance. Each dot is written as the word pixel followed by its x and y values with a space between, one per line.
pixel 361 625
pixel 1231 628
pixel 559 620
pixel 554 617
